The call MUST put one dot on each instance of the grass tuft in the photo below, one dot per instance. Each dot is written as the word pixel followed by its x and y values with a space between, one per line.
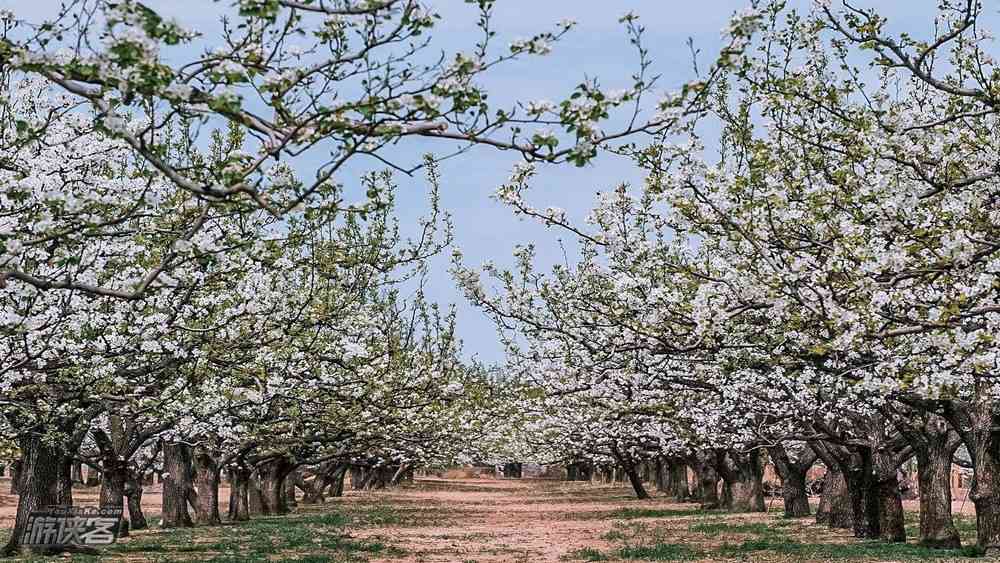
pixel 659 552
pixel 587 554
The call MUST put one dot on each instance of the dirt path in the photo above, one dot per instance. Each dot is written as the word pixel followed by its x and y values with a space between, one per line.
pixel 490 520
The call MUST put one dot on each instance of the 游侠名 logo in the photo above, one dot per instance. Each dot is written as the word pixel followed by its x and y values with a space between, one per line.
pixel 57 526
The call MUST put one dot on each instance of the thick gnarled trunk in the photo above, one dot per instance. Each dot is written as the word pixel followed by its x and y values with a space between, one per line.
pixel 327 475
pixel 255 495
pixel 290 493
pixel 891 523
pixel 679 482
pixel 15 477
pixel 38 484
pixel 855 464
pixel 835 502
pixel 133 498
pixel 205 468
pixel 934 442
pixel 113 483
pixel 793 479
pixel 239 494
pixel 983 442
pixel 937 527
pixel 358 477
pixel 337 486
pixel 703 464
pixel 272 484
pixel 177 485
pixel 743 473
pixel 862 487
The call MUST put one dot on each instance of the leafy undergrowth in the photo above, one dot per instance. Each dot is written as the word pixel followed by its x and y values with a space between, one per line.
pixel 691 535
pixel 309 536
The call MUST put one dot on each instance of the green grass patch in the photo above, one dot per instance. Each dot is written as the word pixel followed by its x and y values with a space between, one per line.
pixel 659 552
pixel 755 528
pixel 866 550
pixel 587 554
pixel 966 526
pixel 309 537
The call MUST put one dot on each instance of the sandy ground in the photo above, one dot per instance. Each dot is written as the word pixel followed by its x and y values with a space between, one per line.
pixel 518 520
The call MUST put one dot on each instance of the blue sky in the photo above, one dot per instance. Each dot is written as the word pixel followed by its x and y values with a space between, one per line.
pixel 485 230
pixel 598 46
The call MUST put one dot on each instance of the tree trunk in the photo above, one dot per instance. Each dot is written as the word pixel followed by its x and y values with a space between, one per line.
pixel 65 480
pixel 372 478
pixel 255 497
pixel 113 480
pixel 703 464
pixel 726 501
pixel 636 482
pixel 835 502
pixel 239 494
pixel 206 483
pixel 370 474
pixel 862 487
pixel 386 475
pixel 15 476
pixel 77 474
pixel 93 477
pixel 743 473
pixel 891 524
pixel 856 465
pixel 794 494
pixel 272 480
pixel 39 469
pixel 314 490
pixel 133 497
pixel 937 528
pixel 934 444
pixel 679 482
pixel 646 472
pixel 337 489
pixel 511 470
pixel 628 464
pixel 397 477
pixel 579 471
pixel 661 475
pixel 793 480
pixel 177 485
pixel 358 477
pixel 290 489
pixel 983 443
